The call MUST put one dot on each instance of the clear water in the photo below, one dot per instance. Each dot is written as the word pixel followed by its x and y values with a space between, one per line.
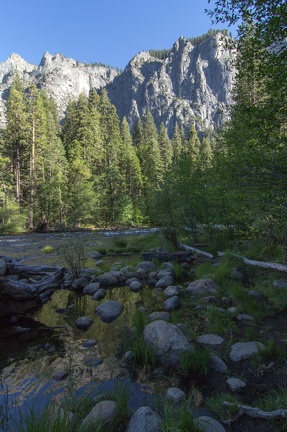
pixel 28 366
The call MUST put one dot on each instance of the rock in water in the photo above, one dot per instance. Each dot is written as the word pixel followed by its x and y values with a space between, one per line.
pixel 109 310
pixel 83 323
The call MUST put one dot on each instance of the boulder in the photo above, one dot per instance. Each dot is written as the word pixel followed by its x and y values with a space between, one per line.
pixel 136 286
pixel 101 416
pixel 164 282
pixel 107 279
pixel 83 323
pixel 243 350
pixel 89 343
pixel 210 339
pixel 172 303
pixel 209 424
pixel 175 395
pixel 168 341
pixel 91 288
pixel 163 273
pixel 217 364
pixel 202 287
pixel 146 266
pixel 79 283
pixel 168 266
pixel 95 255
pixel 109 310
pixel 99 295
pixel 172 290
pixel 236 385
pixel 143 420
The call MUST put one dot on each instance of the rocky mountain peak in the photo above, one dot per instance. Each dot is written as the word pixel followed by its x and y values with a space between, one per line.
pixel 190 84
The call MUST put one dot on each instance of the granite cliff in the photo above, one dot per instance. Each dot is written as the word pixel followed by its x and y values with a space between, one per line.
pixel 192 84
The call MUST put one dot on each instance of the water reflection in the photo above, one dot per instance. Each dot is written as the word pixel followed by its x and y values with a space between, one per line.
pixel 35 374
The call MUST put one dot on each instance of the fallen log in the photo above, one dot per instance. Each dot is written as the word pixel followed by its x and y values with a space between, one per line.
pixel 261 264
pixel 168 256
pixel 29 270
pixel 253 412
pixel 18 290
pixel 196 250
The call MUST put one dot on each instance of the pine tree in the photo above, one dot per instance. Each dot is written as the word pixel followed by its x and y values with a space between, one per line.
pixel 111 182
pixel 16 135
pixel 150 156
pixel 165 147
pixel 193 144
pixel 132 174
pixel 177 143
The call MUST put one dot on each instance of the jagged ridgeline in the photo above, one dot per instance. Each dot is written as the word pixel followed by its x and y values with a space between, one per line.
pixel 191 83
pixel 164 53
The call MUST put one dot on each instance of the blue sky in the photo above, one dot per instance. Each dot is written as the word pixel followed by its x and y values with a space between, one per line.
pixel 107 31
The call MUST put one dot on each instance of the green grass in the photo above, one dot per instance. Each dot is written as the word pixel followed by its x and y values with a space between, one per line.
pixel 178 418
pixel 195 363
pixel 215 404
pixel 132 340
pixel 261 250
pixel 245 303
pixel 219 322
pixel 277 296
pixel 271 352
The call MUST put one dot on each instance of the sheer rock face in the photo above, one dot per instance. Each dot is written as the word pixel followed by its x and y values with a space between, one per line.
pixel 62 78
pixel 192 85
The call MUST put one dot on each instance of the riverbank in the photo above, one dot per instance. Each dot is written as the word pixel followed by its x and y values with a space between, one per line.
pixel 241 305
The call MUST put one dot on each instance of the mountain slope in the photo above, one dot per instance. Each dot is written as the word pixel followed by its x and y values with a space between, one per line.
pixel 191 85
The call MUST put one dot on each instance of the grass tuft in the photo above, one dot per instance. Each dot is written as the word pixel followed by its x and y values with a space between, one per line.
pixel 195 363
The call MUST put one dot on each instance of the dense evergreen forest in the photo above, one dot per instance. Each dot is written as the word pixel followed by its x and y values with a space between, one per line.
pixel 90 172
pixel 93 172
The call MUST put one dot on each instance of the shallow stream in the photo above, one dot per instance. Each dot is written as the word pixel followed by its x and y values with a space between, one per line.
pixel 49 359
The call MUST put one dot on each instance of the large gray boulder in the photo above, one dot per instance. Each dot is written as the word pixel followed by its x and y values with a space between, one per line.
pixel 107 279
pixel 79 283
pixel 144 420
pixel 136 286
pixel 243 350
pixel 146 266
pixel 217 364
pixel 83 323
pixel 172 290
pixel 99 295
pixel 202 287
pixel 209 424
pixel 109 310
pixel 95 254
pixel 164 282
pixel 172 303
pixel 101 416
pixel 91 288
pixel 168 341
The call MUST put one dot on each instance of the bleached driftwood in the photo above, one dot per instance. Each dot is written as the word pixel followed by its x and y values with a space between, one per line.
pixel 196 250
pixel 262 264
pixel 253 412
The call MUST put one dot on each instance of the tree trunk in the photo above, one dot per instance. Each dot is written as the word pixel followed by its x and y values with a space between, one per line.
pixel 32 178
